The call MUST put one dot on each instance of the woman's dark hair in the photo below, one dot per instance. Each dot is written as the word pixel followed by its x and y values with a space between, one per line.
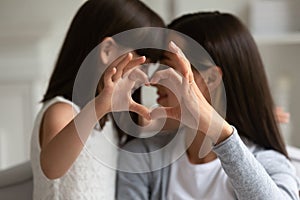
pixel 94 21
pixel 250 107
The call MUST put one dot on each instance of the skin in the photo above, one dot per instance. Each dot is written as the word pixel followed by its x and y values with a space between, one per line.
pixel 61 126
pixel 282 116
pixel 64 133
pixel 200 88
pixel 194 105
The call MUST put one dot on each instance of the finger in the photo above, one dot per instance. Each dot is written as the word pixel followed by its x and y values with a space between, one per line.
pixel 140 109
pixel 183 65
pixel 134 63
pixel 168 74
pixel 158 76
pixel 166 112
pixel 108 76
pixel 175 49
pixel 115 62
pixel 170 79
pixel 186 87
pixel 138 75
pixel 282 116
pixel 177 62
pixel 121 65
pixel 284 119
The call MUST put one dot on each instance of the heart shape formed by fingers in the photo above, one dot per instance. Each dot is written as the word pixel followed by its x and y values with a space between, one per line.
pixel 181 84
pixel 180 87
pixel 121 97
pixel 122 101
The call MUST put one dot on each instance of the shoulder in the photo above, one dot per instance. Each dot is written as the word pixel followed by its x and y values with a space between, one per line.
pixel 58 113
pixel 60 108
pixel 279 167
pixel 54 119
pixel 267 157
pixel 59 105
pixel 270 159
pixel 274 161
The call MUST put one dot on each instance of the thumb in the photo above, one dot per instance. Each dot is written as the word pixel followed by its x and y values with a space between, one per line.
pixel 140 109
pixel 138 75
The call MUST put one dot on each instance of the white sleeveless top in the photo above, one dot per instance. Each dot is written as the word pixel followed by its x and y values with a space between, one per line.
pixel 92 175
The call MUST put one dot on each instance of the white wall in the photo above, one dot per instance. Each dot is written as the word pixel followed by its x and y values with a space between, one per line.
pixel 31 35
pixel 238 7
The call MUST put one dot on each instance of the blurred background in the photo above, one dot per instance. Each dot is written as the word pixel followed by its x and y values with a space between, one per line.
pixel 32 32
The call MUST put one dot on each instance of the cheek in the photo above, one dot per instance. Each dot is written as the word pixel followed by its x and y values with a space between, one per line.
pixel 203 88
pixel 166 97
pixel 172 99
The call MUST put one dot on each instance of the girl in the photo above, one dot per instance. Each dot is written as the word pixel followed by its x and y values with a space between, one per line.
pixel 248 159
pixel 67 127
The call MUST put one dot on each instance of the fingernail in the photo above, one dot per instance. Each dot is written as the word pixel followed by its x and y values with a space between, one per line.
pixel 173 45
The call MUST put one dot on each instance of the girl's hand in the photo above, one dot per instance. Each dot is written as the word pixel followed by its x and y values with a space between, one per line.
pixel 119 80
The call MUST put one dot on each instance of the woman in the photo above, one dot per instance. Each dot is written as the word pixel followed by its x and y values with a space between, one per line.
pixel 248 159
pixel 67 134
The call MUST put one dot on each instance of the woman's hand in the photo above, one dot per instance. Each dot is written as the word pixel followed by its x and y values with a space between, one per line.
pixel 189 97
pixel 118 82
pixel 193 109
pixel 281 116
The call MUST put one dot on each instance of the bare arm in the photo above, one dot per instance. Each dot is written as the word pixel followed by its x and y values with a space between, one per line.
pixel 63 135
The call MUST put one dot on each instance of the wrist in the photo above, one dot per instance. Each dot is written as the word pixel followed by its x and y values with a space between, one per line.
pixel 226 132
pixel 101 106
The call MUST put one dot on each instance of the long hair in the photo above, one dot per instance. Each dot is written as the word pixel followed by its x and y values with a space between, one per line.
pixel 250 106
pixel 95 20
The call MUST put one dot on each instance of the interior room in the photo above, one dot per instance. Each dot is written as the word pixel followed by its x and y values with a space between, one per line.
pixel 32 31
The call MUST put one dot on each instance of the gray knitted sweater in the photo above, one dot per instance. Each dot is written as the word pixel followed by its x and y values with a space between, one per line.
pixel 254 173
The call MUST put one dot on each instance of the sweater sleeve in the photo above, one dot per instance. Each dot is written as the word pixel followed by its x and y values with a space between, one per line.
pixel 266 175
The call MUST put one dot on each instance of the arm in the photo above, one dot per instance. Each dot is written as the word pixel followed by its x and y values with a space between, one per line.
pixel 269 175
pixel 63 135
pixel 252 178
